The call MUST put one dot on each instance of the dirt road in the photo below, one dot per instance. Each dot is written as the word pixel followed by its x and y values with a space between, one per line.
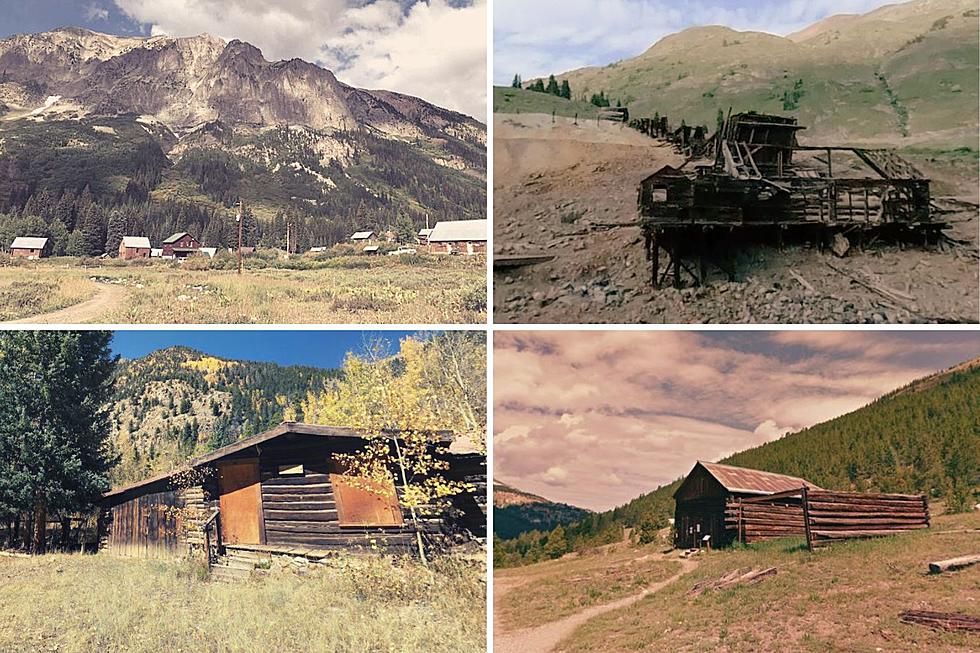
pixel 544 638
pixel 107 298
pixel 562 189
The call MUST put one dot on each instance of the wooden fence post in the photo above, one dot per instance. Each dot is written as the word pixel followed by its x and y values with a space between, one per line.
pixel 806 519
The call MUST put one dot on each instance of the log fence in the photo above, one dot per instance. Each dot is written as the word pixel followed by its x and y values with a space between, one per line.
pixel 823 516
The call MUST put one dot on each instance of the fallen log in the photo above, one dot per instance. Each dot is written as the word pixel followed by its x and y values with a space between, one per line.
pixel 953 564
pixel 732 578
pixel 941 620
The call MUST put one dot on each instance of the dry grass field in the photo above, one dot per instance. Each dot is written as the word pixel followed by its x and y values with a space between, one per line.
pixel 340 290
pixel 76 604
pixel 548 591
pixel 847 597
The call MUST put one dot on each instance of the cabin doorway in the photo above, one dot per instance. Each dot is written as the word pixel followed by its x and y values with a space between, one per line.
pixel 241 502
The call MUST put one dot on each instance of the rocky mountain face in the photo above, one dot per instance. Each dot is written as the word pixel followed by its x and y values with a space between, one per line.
pixel 516 512
pixel 284 136
pixel 177 403
pixel 185 83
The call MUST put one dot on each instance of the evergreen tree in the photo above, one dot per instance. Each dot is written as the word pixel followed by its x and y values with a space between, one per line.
pixel 537 86
pixel 405 229
pixel 517 83
pixel 76 245
pixel 58 233
pixel 115 230
pixel 54 454
pixel 566 90
pixel 553 87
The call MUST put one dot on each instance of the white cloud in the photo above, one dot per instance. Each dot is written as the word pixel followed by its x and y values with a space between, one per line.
pixel 658 401
pixel 432 50
pixel 555 36
pixel 94 11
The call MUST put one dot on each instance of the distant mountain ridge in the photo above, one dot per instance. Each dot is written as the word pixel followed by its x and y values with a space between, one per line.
pixel 903 74
pixel 921 438
pixel 516 512
pixel 178 402
pixel 192 125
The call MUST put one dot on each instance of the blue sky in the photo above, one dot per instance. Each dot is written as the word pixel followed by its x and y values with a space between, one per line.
pixel 555 36
pixel 572 405
pixel 325 349
pixel 433 49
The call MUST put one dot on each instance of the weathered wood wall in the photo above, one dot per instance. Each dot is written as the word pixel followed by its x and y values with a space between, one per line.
pixel 832 516
pixel 823 516
pixel 755 520
pixel 146 526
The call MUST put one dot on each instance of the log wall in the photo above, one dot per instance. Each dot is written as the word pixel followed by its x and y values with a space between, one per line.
pixel 759 521
pixel 832 516
pixel 824 516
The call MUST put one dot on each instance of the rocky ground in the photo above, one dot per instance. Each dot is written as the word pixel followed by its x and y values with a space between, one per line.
pixel 569 191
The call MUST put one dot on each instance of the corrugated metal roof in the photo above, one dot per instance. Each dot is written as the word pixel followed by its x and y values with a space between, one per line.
pixel 27 242
pixel 177 236
pixel 425 232
pixel 456 230
pixel 362 235
pixel 753 481
pixel 136 241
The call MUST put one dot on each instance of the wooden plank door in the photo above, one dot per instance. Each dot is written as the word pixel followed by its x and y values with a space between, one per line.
pixel 241 502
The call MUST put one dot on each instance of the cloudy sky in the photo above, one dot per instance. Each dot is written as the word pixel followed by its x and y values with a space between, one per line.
pixel 434 49
pixel 554 36
pixel 597 418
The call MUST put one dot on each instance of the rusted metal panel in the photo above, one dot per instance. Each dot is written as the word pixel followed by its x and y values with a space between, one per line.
pixel 753 481
pixel 366 502
pixel 240 499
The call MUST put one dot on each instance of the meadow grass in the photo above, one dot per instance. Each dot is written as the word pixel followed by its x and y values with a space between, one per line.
pixel 82 603
pixel 26 296
pixel 339 290
pixel 846 597
pixel 558 588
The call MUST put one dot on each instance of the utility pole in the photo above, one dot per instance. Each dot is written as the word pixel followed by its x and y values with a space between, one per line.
pixel 241 222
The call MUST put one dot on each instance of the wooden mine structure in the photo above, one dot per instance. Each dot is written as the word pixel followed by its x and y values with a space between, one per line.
pixel 762 183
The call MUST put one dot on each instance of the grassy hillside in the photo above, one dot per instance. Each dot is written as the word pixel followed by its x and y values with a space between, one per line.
pixel 516 512
pixel 903 74
pixel 844 599
pixel 516 100
pixel 82 603
pixel 924 438
pixel 177 403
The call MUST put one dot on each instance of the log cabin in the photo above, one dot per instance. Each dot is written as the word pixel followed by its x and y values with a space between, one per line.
pixel 286 488
pixel 701 499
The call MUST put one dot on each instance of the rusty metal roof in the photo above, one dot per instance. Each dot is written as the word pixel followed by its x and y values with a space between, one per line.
pixel 753 481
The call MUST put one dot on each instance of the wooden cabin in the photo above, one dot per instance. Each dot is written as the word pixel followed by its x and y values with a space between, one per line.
pixel 467 237
pixel 133 247
pixel 285 488
pixel 701 498
pixel 29 248
pixel 181 245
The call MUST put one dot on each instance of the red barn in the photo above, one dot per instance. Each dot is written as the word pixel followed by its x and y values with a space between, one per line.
pixel 181 245
pixel 132 247
pixel 25 247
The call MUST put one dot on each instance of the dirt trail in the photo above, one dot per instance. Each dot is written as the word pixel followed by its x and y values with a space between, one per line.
pixel 107 298
pixel 544 638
